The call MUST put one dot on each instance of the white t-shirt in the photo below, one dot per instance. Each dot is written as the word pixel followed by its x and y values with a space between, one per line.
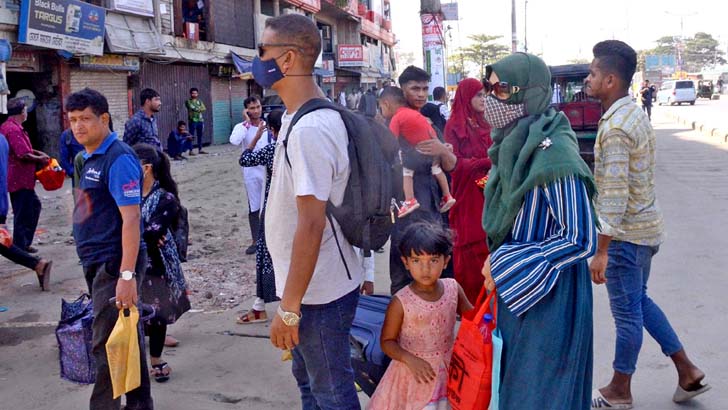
pixel 253 177
pixel 317 149
pixel 244 133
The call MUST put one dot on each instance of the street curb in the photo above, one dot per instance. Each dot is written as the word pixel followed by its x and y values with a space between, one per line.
pixel 719 133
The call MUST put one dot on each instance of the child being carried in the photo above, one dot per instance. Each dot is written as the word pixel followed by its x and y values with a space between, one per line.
pixel 414 127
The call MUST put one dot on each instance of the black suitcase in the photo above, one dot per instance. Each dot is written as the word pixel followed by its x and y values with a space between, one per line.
pixel 367 358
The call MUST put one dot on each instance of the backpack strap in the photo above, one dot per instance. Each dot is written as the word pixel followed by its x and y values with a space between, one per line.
pixel 309 106
pixel 312 105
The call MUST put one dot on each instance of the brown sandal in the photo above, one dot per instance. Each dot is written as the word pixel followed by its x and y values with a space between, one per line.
pixel 252 316
pixel 44 277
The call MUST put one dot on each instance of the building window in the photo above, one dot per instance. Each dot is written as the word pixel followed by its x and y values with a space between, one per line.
pixel 267 7
pixel 327 38
pixel 193 11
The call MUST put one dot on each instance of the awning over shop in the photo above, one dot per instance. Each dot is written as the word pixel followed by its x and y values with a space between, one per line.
pixel 323 72
pixel 126 34
pixel 368 75
pixel 242 64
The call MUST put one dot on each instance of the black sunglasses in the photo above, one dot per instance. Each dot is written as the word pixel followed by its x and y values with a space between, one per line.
pixel 262 47
pixel 501 87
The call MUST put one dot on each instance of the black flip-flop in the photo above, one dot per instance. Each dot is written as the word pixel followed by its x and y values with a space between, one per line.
pixel 159 375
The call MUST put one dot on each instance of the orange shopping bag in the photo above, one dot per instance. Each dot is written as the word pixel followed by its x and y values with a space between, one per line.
pixel 471 366
pixel 51 176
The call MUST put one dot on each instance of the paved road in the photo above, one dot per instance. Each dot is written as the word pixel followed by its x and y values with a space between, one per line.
pixel 220 365
pixel 712 113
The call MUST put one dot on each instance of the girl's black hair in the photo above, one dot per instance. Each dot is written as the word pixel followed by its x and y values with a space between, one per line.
pixel 160 166
pixel 274 120
pixel 425 237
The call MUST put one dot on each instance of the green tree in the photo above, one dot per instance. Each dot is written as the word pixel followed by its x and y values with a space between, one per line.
pixel 456 63
pixel 702 51
pixel 665 45
pixel 484 50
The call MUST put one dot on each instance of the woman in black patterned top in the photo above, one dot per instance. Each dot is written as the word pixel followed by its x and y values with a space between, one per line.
pixel 265 278
pixel 163 284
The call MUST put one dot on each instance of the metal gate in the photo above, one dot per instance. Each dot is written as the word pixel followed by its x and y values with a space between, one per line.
pixel 173 83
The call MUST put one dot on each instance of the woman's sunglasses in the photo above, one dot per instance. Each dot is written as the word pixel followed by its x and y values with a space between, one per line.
pixel 500 88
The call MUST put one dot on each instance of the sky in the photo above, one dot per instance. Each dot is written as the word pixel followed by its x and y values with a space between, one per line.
pixel 561 30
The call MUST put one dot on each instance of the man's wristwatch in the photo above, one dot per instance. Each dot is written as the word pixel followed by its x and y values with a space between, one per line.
pixel 128 275
pixel 289 318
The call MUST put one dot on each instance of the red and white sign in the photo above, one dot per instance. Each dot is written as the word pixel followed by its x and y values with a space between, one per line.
pixel 432 31
pixel 351 55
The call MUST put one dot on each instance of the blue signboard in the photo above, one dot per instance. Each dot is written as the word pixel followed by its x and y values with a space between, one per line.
pixel 69 25
pixel 657 62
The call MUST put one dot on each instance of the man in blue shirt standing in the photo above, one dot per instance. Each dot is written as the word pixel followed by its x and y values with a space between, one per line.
pixel 107 230
pixel 142 126
pixel 69 148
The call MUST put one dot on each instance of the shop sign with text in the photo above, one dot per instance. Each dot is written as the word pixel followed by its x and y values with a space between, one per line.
pixel 351 55
pixel 112 62
pixel 69 25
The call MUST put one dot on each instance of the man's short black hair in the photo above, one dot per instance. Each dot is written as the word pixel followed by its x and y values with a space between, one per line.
pixel 413 73
pixel 181 123
pixel 147 94
pixel 16 106
pixel 88 98
pixel 193 89
pixel 616 57
pixel 250 100
pixel 393 93
pixel 299 30
pixel 425 237
pixel 438 93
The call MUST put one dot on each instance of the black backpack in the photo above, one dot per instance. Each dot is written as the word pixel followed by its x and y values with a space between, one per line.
pixel 365 214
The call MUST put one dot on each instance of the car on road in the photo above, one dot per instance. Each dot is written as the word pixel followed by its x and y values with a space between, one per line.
pixel 677 92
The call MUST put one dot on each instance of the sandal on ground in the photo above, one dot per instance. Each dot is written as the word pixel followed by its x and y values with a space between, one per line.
pixel 44 277
pixel 170 341
pixel 600 402
pixel 681 395
pixel 252 316
pixel 161 372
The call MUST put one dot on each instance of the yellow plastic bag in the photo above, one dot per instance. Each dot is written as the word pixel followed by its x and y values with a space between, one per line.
pixel 122 350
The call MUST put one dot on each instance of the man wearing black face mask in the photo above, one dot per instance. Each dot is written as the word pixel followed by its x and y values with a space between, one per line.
pixel 318 299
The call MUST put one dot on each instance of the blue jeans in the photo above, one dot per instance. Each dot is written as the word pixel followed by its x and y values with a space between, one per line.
pixel 196 129
pixel 322 360
pixel 627 273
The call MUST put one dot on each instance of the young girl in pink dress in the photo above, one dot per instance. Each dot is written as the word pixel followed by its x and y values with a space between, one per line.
pixel 418 331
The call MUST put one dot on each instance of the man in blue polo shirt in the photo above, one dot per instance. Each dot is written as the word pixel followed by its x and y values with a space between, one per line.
pixel 107 229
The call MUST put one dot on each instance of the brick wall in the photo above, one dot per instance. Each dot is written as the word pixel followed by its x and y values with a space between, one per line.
pixel 113 85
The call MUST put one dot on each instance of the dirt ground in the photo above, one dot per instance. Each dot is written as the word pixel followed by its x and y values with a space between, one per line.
pixel 218 272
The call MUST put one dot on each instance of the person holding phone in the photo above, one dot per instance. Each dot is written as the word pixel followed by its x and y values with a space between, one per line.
pixel 253 177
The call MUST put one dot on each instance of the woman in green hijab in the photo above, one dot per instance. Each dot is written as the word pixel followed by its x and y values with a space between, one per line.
pixel 541 230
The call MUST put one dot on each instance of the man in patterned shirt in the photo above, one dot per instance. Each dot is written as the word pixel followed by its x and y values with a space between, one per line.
pixel 142 126
pixel 631 227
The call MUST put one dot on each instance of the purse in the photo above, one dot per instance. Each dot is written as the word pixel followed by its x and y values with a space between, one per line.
pixel 471 367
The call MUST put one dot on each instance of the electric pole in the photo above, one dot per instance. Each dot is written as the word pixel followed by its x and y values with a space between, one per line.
pixel 514 35
pixel 525 27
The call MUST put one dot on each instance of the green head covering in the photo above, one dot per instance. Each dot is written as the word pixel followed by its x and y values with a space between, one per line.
pixel 519 159
pixel 531 75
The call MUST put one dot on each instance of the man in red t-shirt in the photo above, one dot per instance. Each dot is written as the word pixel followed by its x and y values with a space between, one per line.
pixel 414 128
